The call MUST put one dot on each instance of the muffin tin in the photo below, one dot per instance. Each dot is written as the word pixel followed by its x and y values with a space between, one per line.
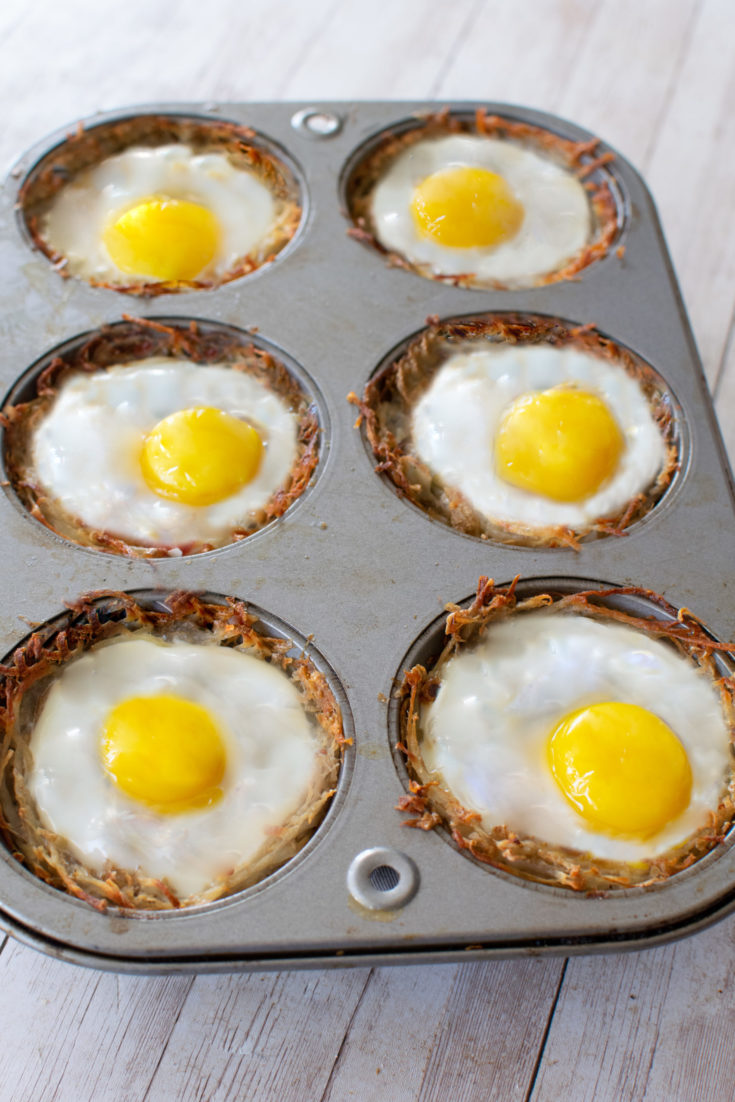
pixel 359 576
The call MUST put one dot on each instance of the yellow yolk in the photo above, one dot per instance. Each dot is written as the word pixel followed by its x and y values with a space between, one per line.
pixel 465 208
pixel 165 752
pixel 560 443
pixel 163 239
pixel 622 768
pixel 200 456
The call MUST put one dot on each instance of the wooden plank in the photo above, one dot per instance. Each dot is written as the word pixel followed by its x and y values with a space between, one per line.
pixel 74 1033
pixel 63 62
pixel 469 1033
pixel 495 1025
pixel 268 1035
pixel 647 1027
pixel 608 66
pixel 262 45
pixel 503 59
pixel 383 50
pixel 392 1034
pixel 620 84
pixel 691 172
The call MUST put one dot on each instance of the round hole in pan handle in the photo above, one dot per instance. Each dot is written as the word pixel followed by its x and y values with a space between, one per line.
pixel 315 123
pixel 382 879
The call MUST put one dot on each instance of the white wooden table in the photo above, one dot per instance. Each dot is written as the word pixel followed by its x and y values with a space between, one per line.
pixel 656 79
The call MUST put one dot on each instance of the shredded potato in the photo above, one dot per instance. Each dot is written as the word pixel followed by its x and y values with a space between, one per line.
pixel 579 157
pixel 431 805
pixel 139 339
pixel 105 615
pixel 85 148
pixel 390 396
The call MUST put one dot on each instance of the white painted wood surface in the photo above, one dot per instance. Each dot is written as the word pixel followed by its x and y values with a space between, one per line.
pixel 656 79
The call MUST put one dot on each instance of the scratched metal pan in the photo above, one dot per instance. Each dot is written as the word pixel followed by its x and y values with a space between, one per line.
pixel 363 576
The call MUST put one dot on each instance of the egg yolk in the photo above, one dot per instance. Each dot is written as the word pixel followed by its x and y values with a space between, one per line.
pixel 163 239
pixel 165 752
pixel 622 768
pixel 561 443
pixel 200 456
pixel 466 207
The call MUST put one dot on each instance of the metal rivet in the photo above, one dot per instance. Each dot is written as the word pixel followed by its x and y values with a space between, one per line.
pixel 381 878
pixel 315 123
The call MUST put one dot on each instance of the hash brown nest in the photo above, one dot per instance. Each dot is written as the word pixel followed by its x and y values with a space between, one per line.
pixel 387 404
pixel 579 158
pixel 128 342
pixel 85 148
pixel 432 805
pixel 100 616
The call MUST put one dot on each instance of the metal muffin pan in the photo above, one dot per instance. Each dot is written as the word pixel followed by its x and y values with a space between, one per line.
pixel 363 574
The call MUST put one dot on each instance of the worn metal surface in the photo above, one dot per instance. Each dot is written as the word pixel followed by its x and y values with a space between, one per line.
pixel 365 573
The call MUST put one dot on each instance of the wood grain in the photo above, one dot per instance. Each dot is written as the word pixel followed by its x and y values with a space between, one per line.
pixel 404 1004
pixel 691 174
pixel 456 1033
pixel 620 83
pixel 492 1032
pixel 499 60
pixel 73 1033
pixel 645 1027
pixel 382 51
pixel 261 1036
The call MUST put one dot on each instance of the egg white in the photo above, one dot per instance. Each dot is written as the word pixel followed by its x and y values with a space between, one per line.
pixel 85 452
pixel 557 222
pixel 455 423
pixel 486 733
pixel 243 206
pixel 271 745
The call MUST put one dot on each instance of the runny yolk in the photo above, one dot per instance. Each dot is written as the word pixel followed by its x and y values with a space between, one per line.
pixel 466 207
pixel 163 239
pixel 165 752
pixel 200 456
pixel 561 443
pixel 621 767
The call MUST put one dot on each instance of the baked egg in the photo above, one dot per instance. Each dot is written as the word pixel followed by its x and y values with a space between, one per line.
pixel 484 201
pixel 568 741
pixel 197 443
pixel 522 430
pixel 164 755
pixel 154 204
